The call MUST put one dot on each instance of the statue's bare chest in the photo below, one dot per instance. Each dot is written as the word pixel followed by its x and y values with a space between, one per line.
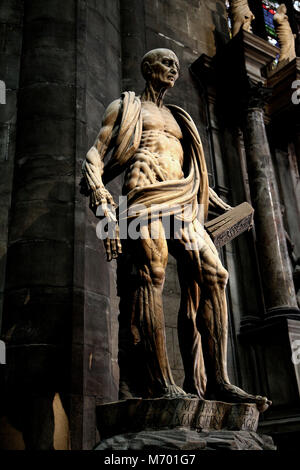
pixel 160 119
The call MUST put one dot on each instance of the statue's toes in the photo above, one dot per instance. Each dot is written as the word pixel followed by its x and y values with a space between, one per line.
pixel 262 403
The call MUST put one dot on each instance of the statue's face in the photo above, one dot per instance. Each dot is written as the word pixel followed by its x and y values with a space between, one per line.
pixel 164 69
pixel 282 8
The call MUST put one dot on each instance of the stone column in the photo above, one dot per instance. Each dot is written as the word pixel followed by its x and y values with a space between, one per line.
pixel 11 25
pixel 279 292
pixel 37 311
pixel 57 305
pixel 133 44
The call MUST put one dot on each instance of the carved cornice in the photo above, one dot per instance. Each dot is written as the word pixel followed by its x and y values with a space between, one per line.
pixel 256 96
pixel 258 53
pixel 281 81
pixel 238 73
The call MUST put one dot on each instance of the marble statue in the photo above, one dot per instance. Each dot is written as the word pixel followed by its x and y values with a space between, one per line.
pixel 286 38
pixel 158 149
pixel 241 16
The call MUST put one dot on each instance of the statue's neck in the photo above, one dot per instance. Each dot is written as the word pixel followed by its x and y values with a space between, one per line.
pixel 156 96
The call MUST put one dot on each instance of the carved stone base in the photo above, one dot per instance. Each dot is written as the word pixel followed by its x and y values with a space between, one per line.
pixel 179 424
pixel 183 439
pixel 135 415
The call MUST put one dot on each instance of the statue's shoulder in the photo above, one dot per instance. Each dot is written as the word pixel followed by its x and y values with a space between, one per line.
pixel 180 114
pixel 128 101
pixel 185 121
pixel 114 107
pixel 129 97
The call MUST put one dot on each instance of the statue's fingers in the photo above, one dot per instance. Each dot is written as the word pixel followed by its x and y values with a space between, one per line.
pixel 110 199
pixel 112 216
pixel 93 199
pixel 108 209
pixel 107 245
pixel 118 241
pixel 104 208
pixel 108 249
pixel 114 251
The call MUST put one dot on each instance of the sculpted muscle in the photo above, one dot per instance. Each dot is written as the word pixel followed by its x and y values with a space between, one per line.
pixel 104 141
pixel 160 155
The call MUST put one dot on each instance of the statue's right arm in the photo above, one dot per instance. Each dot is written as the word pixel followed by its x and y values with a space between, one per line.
pixel 93 165
pixel 93 169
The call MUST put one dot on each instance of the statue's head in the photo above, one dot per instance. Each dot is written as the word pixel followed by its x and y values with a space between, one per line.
pixel 160 67
pixel 282 8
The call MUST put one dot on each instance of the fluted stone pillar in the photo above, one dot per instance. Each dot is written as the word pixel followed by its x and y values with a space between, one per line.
pixel 279 292
pixel 57 315
pixel 11 26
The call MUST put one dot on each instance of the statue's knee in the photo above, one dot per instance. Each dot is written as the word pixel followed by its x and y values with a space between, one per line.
pixel 152 275
pixel 158 276
pixel 223 277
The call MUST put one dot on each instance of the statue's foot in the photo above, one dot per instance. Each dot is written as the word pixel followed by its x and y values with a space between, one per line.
pixel 232 394
pixel 173 391
pixel 193 389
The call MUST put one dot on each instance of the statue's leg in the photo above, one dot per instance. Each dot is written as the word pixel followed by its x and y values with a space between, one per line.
pixel 212 319
pixel 188 334
pixel 202 266
pixel 149 257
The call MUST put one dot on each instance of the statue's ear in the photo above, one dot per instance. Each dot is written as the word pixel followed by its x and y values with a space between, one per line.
pixel 147 69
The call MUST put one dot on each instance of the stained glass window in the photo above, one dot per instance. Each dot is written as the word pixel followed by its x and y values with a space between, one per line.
pixel 269 10
pixel 227 4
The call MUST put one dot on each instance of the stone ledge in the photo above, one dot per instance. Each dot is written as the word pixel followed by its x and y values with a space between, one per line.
pixel 182 439
pixel 135 415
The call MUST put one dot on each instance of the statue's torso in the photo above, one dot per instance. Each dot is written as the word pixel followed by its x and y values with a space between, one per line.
pixel 160 154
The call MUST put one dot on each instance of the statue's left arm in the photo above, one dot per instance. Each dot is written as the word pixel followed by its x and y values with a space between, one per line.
pixel 215 202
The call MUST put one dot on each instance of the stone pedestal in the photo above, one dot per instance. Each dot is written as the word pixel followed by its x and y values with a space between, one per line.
pixel 183 439
pixel 179 424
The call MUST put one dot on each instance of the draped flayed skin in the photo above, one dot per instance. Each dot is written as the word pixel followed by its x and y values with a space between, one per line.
pixel 164 197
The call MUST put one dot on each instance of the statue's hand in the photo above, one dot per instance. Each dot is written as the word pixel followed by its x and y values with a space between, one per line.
pixel 106 208
pixel 217 203
pixel 227 207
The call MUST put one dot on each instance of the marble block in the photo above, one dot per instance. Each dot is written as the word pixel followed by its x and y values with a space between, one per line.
pixel 135 415
pixel 183 439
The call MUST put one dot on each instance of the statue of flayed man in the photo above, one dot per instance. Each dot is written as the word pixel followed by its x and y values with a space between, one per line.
pixel 159 150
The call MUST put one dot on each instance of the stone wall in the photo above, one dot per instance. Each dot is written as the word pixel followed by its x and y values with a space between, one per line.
pixel 94 350
pixel 58 285
pixel 38 290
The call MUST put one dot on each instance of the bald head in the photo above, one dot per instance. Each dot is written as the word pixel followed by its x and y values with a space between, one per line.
pixel 164 56
pixel 282 8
